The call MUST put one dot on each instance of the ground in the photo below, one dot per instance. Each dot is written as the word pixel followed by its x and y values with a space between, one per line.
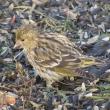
pixel 85 22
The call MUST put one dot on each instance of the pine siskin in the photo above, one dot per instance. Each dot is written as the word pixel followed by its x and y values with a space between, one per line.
pixel 52 55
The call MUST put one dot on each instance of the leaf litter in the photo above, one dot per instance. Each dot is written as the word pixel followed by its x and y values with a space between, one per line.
pixel 86 22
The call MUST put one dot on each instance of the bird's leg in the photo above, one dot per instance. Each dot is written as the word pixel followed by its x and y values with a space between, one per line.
pixel 56 89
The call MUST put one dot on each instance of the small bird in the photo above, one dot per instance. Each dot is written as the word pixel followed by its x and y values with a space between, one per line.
pixel 52 55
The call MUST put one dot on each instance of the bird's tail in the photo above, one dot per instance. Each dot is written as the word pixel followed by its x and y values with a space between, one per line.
pixel 71 68
pixel 87 62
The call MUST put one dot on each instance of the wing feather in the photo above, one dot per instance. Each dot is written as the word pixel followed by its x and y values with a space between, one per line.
pixel 56 50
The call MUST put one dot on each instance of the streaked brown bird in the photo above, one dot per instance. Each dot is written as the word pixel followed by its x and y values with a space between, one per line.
pixel 52 55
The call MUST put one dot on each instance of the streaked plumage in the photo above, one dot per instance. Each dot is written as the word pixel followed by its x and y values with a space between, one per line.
pixel 52 55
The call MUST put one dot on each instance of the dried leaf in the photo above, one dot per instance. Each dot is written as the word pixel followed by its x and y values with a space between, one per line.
pixel 39 2
pixel 19 68
pixel 11 7
pixel 7 98
pixel 69 13
pixel 83 87
pixel 89 94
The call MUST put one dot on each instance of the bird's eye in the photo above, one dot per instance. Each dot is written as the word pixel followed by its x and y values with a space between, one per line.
pixel 22 39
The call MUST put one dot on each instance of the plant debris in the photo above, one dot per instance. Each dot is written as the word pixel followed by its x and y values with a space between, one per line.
pixel 86 23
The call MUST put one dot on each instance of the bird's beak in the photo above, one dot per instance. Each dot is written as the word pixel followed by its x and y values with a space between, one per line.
pixel 17 45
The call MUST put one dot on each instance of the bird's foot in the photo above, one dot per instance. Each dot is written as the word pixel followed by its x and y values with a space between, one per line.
pixel 52 88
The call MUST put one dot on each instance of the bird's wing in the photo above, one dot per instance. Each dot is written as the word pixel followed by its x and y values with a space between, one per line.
pixel 57 53
pixel 53 48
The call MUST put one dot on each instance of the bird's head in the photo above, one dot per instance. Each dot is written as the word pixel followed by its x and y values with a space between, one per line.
pixel 26 37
